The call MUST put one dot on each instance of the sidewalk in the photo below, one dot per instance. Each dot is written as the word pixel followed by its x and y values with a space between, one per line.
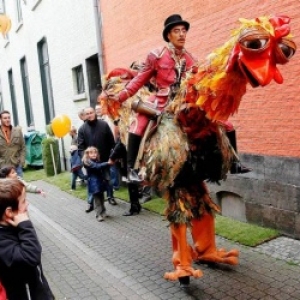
pixel 125 258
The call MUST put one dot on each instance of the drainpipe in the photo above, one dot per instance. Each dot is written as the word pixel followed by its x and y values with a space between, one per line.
pixel 98 21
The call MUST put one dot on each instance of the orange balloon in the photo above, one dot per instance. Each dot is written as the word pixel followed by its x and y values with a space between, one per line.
pixel 61 125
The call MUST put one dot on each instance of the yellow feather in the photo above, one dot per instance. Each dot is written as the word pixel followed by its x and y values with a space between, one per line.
pixel 181 204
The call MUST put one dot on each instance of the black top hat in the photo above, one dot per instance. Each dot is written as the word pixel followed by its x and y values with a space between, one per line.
pixel 172 21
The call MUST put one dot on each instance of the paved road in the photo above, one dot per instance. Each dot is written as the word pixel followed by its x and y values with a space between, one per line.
pixel 126 257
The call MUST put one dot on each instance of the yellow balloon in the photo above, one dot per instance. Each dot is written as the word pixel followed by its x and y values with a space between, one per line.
pixel 5 24
pixel 61 125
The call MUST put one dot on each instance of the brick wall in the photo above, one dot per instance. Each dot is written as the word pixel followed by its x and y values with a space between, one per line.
pixel 268 122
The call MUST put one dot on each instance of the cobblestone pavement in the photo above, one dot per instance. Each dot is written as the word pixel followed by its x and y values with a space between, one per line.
pixel 126 257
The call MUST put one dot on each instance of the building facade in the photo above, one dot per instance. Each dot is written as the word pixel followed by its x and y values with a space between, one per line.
pixel 49 61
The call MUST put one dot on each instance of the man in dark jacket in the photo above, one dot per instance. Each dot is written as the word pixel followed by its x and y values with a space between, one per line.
pixel 20 250
pixel 96 133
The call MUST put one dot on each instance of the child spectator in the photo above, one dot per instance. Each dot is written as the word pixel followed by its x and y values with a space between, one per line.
pixel 76 167
pixel 96 179
pixel 10 172
pixel 20 251
pixel 73 135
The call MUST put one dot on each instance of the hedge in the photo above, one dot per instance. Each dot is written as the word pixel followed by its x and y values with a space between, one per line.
pixel 47 157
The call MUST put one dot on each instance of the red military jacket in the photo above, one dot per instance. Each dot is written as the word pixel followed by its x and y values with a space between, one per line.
pixel 160 66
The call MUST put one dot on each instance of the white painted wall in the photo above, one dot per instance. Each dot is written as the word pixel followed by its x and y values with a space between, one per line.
pixel 70 29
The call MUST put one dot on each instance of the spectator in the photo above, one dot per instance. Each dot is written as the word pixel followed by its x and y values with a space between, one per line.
pixel 73 135
pixel 9 172
pixel 76 167
pixel 11 153
pixel 81 115
pixel 96 179
pixel 95 133
pixel 79 174
pixel 21 271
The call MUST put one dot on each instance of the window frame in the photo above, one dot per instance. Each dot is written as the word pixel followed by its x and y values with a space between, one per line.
pixel 13 97
pixel 26 92
pixel 46 81
pixel 79 84
pixel 19 12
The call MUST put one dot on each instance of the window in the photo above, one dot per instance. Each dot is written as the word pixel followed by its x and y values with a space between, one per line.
pixel 26 92
pixel 13 97
pixel 79 80
pixel 19 11
pixel 46 80
pixel 2 7
pixel 93 78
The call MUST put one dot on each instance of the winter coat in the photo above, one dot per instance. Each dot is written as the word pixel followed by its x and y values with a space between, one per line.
pixel 20 263
pixel 98 134
pixel 14 152
pixel 75 161
pixel 96 176
pixel 161 66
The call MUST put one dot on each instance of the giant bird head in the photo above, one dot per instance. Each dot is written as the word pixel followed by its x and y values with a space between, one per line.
pixel 251 55
pixel 262 44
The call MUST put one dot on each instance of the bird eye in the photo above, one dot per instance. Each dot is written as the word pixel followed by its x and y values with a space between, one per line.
pixel 287 51
pixel 254 44
pixel 284 51
pixel 254 40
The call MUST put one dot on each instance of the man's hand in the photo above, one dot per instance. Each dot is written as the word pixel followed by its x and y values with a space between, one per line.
pixel 109 95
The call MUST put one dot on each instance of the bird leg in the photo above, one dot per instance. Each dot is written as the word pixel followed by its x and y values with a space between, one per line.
pixel 203 234
pixel 182 254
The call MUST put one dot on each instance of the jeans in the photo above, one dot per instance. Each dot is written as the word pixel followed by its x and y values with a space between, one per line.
pixel 114 176
pixel 109 189
pixel 99 204
pixel 90 199
pixel 19 171
pixel 75 175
